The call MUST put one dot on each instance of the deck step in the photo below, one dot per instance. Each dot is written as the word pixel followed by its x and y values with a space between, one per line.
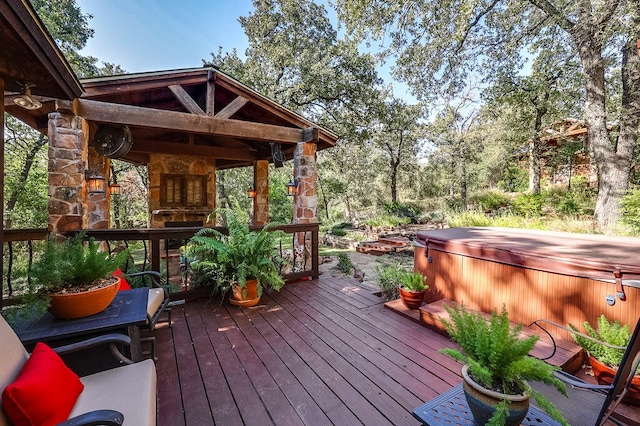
pixel 395 241
pixel 569 356
pixel 374 247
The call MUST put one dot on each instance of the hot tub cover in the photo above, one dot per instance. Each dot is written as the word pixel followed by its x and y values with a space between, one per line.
pixel 597 257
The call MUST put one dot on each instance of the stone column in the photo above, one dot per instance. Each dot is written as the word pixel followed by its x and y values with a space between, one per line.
pixel 305 202
pixel 68 157
pixel 260 216
pixel 98 205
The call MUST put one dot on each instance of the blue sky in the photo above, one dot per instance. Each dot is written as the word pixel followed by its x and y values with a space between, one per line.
pixel 154 35
pixel 151 35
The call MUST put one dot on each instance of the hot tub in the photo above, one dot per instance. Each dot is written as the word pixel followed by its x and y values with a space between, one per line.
pixel 562 277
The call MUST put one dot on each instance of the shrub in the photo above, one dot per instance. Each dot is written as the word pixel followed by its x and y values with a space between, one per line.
pixel 529 205
pixel 514 179
pixel 387 279
pixel 339 232
pixel 490 200
pixel 344 263
pixel 466 219
pixel 630 209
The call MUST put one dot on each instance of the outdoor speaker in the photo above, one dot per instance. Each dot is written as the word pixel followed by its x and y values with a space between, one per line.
pixel 277 155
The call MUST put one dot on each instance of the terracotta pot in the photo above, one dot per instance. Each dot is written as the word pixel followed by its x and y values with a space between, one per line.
pixel 482 402
pixel 604 376
pixel 412 299
pixel 83 304
pixel 247 296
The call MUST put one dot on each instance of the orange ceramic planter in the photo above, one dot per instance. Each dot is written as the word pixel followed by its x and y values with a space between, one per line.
pixel 411 299
pixel 247 296
pixel 604 376
pixel 78 305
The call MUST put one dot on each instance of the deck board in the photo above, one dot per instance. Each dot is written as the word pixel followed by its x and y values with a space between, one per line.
pixel 318 352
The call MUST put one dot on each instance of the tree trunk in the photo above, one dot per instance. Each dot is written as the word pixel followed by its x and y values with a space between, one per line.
pixel 613 165
pixel 324 199
pixel 463 177
pixel 222 194
pixel 534 148
pixel 394 185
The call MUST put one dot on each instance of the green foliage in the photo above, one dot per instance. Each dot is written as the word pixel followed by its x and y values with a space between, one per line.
pixel 496 355
pixel 630 209
pixel 413 281
pixel 490 201
pixel 387 278
pixel 387 220
pixel 611 333
pixel 340 232
pixel 222 260
pixel 390 277
pixel 514 179
pixel 344 263
pixel 72 264
pixel 469 218
pixel 401 210
pixel 528 205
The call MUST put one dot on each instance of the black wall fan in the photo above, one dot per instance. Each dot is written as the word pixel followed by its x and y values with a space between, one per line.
pixel 113 141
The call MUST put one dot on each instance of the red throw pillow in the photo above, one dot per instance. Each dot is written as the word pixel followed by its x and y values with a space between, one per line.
pixel 124 285
pixel 44 392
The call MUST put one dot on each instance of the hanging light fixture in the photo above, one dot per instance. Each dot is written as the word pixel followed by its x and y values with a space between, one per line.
pixel 25 100
pixel 292 187
pixel 114 189
pixel 96 183
pixel 251 192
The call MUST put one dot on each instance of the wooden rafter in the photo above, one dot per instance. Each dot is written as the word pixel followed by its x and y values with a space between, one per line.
pixel 233 107
pixel 225 153
pixel 186 100
pixel 185 122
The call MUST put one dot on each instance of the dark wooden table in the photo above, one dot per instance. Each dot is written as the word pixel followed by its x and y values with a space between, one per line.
pixel 451 408
pixel 127 312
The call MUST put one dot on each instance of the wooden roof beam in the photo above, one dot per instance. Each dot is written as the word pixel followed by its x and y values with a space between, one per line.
pixel 217 152
pixel 233 107
pixel 185 122
pixel 185 99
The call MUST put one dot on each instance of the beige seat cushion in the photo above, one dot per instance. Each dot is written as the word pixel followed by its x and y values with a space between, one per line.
pixel 156 297
pixel 130 389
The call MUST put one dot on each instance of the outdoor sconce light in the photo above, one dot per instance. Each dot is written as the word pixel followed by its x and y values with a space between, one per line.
pixel 25 100
pixel 292 187
pixel 251 192
pixel 95 181
pixel 114 189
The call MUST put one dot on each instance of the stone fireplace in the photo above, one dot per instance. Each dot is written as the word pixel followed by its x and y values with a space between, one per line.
pixel 182 189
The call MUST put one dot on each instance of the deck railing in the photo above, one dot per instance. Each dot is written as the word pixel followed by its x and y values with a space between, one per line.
pixel 160 251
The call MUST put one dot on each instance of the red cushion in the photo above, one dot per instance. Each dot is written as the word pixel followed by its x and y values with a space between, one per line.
pixel 44 392
pixel 124 285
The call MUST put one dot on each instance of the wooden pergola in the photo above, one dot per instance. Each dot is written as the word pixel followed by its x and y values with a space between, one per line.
pixel 202 116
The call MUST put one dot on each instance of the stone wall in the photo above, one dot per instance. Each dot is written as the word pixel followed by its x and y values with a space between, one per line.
pixel 68 158
pixel 179 165
pixel 305 203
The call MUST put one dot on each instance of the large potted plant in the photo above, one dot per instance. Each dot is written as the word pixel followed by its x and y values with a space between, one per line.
pixel 242 261
pixel 497 367
pixel 75 277
pixel 605 347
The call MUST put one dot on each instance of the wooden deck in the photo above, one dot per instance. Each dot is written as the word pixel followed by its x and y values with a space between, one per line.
pixel 318 352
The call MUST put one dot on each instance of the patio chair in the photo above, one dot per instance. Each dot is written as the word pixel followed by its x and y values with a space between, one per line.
pixel 157 304
pixel 122 395
pixel 590 404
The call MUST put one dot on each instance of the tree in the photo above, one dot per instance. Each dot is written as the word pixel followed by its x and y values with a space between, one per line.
pixel 396 134
pixel 453 134
pixel 439 43
pixel 296 58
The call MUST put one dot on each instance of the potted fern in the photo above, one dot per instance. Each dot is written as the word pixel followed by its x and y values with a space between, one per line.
pixel 497 366
pixel 242 261
pixel 605 346
pixel 75 278
pixel 412 288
